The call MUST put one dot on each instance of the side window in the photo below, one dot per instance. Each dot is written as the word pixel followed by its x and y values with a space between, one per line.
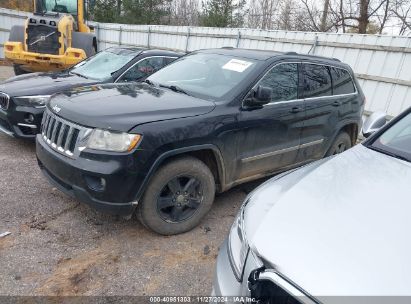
pixel 168 60
pixel 317 81
pixel 283 80
pixel 342 82
pixel 143 69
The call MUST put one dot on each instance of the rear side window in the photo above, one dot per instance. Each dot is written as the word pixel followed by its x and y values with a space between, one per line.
pixel 317 81
pixel 342 81
pixel 283 80
pixel 143 69
pixel 168 60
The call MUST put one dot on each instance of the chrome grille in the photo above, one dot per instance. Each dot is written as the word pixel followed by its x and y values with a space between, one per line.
pixel 61 135
pixel 4 101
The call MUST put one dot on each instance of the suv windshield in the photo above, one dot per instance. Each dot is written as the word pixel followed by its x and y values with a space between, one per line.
pixel 59 6
pixel 396 141
pixel 205 75
pixel 102 65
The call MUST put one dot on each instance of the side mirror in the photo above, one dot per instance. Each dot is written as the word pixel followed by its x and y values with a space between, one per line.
pixel 261 96
pixel 373 123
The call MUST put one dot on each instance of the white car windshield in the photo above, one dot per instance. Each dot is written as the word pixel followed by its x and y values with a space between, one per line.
pixel 205 75
pixel 102 65
pixel 396 140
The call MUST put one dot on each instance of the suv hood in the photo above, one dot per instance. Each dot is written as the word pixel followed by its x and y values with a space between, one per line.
pixel 120 107
pixel 42 83
pixel 339 226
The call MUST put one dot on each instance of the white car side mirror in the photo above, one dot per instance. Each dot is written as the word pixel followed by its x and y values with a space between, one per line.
pixel 373 123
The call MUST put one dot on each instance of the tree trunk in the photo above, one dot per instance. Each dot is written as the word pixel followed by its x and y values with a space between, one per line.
pixel 323 25
pixel 119 8
pixel 342 16
pixel 384 19
pixel 363 19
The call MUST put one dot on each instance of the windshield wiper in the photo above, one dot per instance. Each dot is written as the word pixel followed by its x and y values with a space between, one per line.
pixel 392 154
pixel 149 82
pixel 78 74
pixel 173 88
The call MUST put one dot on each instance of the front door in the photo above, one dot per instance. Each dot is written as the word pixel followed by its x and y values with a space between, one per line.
pixel 269 136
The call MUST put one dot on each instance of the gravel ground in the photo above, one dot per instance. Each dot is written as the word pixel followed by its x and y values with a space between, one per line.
pixel 5 72
pixel 60 247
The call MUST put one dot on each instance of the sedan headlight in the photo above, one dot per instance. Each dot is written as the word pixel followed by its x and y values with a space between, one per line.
pixel 238 246
pixel 112 141
pixel 38 101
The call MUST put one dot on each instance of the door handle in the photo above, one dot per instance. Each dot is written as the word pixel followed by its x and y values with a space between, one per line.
pixel 296 109
pixel 336 104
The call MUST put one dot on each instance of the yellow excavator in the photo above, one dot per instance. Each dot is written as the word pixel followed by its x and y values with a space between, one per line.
pixel 53 38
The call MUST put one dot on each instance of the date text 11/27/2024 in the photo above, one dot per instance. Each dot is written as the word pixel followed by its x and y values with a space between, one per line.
pixel 199 299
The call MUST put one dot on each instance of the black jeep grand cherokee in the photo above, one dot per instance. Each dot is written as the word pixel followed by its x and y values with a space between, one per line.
pixel 209 121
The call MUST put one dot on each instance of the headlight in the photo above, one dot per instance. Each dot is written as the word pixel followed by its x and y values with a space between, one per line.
pixel 238 246
pixel 112 141
pixel 38 101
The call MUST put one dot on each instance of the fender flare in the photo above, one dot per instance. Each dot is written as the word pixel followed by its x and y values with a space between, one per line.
pixel 340 127
pixel 171 153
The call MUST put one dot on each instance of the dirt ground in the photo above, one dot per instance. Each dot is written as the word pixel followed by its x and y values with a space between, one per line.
pixel 58 246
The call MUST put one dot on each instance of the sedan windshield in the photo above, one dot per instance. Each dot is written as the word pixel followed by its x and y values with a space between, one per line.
pixel 208 76
pixel 396 141
pixel 102 65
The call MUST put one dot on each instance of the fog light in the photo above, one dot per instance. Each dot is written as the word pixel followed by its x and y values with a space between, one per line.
pixel 95 183
pixel 29 118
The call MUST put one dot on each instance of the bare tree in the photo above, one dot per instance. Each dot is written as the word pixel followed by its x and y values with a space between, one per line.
pixel 323 25
pixel 285 21
pixel 319 20
pixel 401 9
pixel 184 12
pixel 262 14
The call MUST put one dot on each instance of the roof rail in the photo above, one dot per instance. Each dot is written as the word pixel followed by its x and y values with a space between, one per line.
pixel 295 53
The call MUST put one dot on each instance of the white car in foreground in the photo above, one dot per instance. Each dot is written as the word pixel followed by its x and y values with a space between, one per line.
pixel 334 231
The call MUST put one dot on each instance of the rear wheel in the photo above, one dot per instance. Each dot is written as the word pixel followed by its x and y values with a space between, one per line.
pixel 178 197
pixel 341 143
pixel 86 42
pixel 18 70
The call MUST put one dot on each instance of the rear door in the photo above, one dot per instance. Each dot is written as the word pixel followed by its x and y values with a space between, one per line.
pixel 269 136
pixel 321 111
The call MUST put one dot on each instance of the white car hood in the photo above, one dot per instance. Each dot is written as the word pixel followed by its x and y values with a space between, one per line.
pixel 338 227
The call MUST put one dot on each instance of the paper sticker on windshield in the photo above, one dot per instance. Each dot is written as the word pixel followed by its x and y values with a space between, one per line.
pixel 237 65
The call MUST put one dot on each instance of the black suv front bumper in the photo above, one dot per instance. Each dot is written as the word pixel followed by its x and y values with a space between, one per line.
pixel 82 178
pixel 15 121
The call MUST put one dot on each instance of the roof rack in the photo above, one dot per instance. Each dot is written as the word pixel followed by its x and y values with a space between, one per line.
pixel 310 55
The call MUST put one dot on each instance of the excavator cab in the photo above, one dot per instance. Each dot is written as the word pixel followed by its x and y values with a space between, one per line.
pixel 54 37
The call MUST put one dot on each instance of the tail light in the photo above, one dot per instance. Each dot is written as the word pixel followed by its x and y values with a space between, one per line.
pixel 9 48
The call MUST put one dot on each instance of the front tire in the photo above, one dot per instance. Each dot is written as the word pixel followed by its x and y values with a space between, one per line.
pixel 341 143
pixel 179 195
